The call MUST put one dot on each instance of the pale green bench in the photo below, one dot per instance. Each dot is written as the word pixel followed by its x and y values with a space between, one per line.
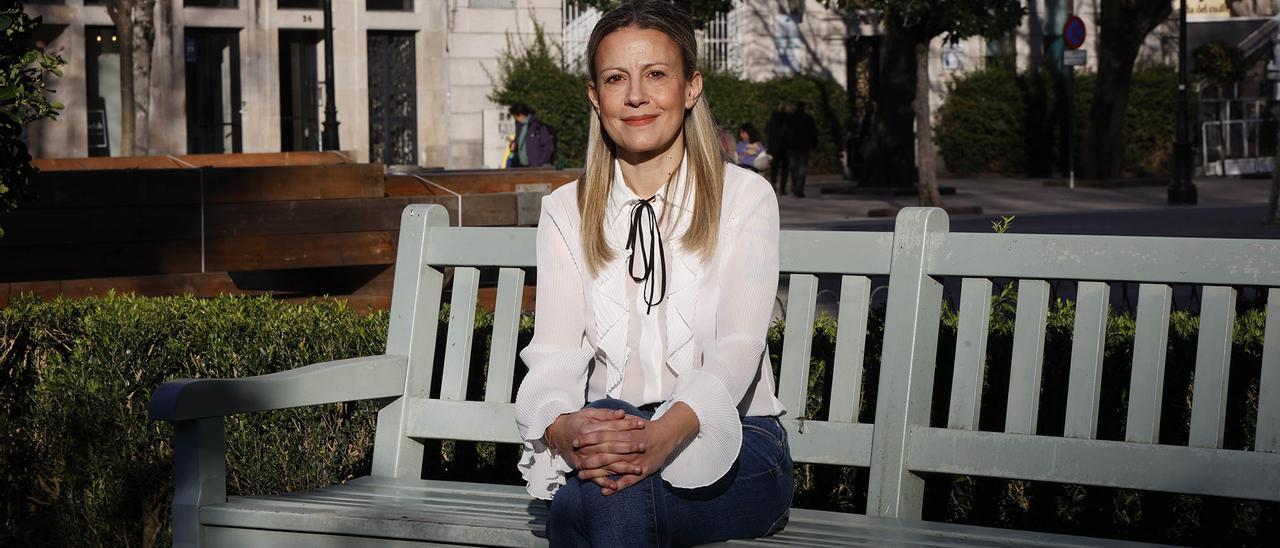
pixel 393 507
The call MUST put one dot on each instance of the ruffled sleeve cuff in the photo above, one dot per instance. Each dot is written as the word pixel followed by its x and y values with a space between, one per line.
pixel 713 451
pixel 543 472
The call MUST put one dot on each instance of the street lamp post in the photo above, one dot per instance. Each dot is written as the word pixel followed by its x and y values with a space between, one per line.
pixel 329 137
pixel 1182 191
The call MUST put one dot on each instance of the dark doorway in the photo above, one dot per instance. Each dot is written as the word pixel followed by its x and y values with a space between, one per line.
pixel 213 90
pixel 299 90
pixel 102 79
pixel 393 111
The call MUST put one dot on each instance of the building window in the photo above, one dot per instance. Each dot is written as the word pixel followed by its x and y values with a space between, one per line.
pixel 300 4
pixel 491 4
pixel 299 90
pixel 389 5
pixel 393 118
pixel 210 3
pixel 102 79
pixel 213 90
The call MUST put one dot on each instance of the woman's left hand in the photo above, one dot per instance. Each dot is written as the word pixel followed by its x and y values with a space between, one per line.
pixel 660 439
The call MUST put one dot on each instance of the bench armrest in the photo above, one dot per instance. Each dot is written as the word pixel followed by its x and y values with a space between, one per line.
pixel 328 382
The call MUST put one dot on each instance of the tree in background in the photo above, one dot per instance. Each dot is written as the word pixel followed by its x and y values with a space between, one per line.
pixel 135 23
pixel 23 69
pixel 1123 26
pixel 910 26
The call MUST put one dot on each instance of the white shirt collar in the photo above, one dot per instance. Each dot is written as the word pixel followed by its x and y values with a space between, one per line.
pixel 622 198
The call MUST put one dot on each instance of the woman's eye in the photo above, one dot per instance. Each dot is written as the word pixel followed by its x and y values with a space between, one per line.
pixel 657 74
pixel 612 78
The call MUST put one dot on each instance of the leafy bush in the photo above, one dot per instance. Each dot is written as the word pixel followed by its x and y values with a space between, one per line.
pixel 23 70
pixel 531 73
pixel 996 120
pixel 83 466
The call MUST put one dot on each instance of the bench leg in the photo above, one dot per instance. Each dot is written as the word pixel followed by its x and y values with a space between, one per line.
pixel 199 450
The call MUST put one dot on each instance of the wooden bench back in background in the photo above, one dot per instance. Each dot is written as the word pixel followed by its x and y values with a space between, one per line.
pixel 1141 460
pixel 428 242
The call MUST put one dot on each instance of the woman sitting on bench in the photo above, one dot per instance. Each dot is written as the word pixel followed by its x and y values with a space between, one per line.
pixel 648 411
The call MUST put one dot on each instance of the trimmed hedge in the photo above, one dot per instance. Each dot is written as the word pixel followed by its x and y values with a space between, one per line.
pixel 997 121
pixel 531 73
pixel 83 466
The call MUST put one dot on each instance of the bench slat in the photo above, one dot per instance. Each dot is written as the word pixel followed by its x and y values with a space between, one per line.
pixel 506 326
pixel 807 251
pixel 1028 357
pixel 1213 361
pixel 1154 467
pixel 1150 348
pixel 1218 261
pixel 462 321
pixel 822 442
pixel 851 340
pixel 827 252
pixel 1087 345
pixel 971 353
pixel 1268 438
pixel 797 343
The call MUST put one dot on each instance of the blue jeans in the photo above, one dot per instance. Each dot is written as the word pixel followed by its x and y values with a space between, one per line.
pixel 750 500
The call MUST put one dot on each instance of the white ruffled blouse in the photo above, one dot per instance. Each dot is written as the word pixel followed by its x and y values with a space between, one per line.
pixel 594 337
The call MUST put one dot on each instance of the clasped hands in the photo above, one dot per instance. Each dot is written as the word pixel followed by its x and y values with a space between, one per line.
pixel 615 450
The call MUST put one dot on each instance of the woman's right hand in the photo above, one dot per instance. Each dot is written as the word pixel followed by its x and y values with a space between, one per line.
pixel 617 438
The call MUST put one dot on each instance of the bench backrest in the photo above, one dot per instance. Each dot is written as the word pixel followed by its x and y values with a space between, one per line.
pixel 428 244
pixel 926 254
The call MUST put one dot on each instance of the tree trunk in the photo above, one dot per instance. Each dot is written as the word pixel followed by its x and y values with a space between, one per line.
pixel 891 160
pixel 1123 27
pixel 926 156
pixel 135 24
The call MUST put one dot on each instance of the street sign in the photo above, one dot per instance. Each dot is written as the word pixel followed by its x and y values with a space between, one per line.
pixel 1073 32
pixel 1075 57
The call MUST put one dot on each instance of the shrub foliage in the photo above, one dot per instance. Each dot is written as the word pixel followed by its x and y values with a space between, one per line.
pixel 82 465
pixel 995 120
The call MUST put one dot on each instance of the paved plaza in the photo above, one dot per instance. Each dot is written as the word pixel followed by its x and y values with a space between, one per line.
pixel 1228 208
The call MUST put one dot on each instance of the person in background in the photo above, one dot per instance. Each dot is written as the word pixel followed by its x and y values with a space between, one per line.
pixel 776 133
pixel 802 137
pixel 534 142
pixel 749 146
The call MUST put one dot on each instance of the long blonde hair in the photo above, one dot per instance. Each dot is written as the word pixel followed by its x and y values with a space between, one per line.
pixel 705 172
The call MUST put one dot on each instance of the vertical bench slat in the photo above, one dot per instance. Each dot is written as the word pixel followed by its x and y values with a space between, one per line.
pixel 971 353
pixel 797 343
pixel 1213 362
pixel 462 322
pixel 1088 340
pixel 412 327
pixel 851 340
pixel 1268 438
pixel 1150 346
pixel 506 329
pixel 1028 357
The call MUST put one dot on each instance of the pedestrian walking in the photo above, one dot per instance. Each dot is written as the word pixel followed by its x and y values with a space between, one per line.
pixel 534 143
pixel 776 135
pixel 803 136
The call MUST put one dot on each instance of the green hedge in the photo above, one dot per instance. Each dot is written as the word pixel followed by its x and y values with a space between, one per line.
pixel 83 466
pixel 997 121
pixel 531 73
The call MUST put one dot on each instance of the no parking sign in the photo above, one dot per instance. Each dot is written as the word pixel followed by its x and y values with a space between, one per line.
pixel 1073 32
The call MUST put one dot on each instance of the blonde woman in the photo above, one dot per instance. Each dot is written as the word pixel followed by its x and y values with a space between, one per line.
pixel 648 410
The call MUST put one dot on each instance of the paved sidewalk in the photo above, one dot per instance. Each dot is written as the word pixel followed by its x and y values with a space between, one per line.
pixel 1002 196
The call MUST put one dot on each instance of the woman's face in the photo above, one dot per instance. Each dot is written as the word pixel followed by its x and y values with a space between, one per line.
pixel 742 135
pixel 639 90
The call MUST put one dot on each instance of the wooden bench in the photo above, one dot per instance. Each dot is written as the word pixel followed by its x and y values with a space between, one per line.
pixel 394 507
